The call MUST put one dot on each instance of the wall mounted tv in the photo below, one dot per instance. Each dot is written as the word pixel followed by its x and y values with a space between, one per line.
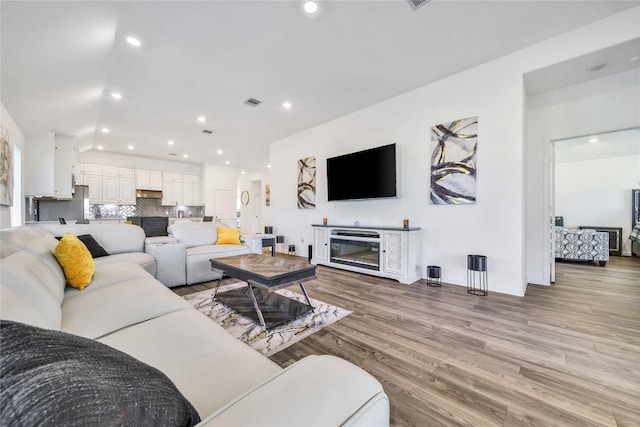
pixel 367 174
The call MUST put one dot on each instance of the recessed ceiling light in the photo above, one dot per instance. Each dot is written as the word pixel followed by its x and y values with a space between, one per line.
pixel 116 95
pixel 269 166
pixel 310 7
pixel 130 147
pixel 227 162
pixel 133 41
pixel 185 156
pixel 286 104
pixel 592 140
pixel 104 130
pixel 242 172
pixel 202 119
pixel 219 151
pixel 170 142
pixel 100 147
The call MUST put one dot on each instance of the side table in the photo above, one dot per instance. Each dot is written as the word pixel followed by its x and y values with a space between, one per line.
pixel 258 241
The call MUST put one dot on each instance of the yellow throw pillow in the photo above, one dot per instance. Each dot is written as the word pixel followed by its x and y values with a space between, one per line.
pixel 76 261
pixel 228 236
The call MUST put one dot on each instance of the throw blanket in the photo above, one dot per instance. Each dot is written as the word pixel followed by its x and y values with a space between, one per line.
pixel 635 233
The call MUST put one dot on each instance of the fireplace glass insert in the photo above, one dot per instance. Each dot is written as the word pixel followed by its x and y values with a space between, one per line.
pixel 363 254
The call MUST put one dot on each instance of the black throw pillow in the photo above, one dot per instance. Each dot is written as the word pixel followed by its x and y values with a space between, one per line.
pixel 94 247
pixel 56 379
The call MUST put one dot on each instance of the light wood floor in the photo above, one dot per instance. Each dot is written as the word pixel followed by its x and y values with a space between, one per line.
pixel 565 355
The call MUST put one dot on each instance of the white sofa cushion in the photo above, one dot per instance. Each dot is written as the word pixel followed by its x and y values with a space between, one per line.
pixel 207 364
pixel 110 308
pixel 34 282
pixel 114 238
pixel 21 308
pixel 195 233
pixel 198 265
pixel 108 274
pixel 144 260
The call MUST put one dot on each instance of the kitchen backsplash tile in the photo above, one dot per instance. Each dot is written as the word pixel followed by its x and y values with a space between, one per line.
pixel 143 207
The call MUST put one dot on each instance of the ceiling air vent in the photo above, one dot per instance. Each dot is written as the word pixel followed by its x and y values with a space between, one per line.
pixel 207 131
pixel 172 154
pixel 415 4
pixel 253 102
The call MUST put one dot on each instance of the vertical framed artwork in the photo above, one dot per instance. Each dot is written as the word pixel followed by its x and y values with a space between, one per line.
pixel 453 162
pixel 267 194
pixel 307 183
pixel 6 168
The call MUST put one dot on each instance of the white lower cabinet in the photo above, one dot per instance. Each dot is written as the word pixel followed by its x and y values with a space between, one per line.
pixel 320 244
pixel 389 252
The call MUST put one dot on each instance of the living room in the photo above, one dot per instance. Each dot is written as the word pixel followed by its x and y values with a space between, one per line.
pixel 508 223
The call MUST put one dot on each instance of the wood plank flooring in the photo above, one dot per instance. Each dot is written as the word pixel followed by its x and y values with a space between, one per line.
pixel 564 355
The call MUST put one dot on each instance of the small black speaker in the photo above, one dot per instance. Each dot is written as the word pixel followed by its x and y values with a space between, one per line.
pixel 268 229
pixel 310 252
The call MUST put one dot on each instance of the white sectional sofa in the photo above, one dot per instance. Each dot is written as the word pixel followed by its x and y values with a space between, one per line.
pixel 125 308
pixel 183 256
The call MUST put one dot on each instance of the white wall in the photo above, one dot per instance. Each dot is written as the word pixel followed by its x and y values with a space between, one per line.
pixel 598 193
pixel 597 106
pixel 16 137
pixel 495 226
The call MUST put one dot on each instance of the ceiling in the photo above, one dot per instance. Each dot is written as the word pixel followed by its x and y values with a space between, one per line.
pixel 623 143
pixel 62 60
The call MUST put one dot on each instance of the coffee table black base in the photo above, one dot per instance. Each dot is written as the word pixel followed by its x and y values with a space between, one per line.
pixel 275 308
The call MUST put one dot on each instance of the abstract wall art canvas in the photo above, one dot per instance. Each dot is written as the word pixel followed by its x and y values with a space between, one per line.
pixel 267 195
pixel 453 162
pixel 307 183
pixel 6 168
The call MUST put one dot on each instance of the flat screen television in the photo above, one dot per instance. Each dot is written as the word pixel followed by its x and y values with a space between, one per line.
pixel 367 174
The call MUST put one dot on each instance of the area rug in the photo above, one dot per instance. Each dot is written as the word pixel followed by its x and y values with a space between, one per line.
pixel 252 333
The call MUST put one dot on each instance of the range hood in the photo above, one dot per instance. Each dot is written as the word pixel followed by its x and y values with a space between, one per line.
pixel 149 194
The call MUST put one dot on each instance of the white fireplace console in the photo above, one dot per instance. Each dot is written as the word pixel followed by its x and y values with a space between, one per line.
pixel 380 251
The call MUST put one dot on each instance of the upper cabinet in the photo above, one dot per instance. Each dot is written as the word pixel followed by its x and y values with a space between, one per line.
pixel 90 175
pixel 181 189
pixel 49 162
pixel 118 185
pixel 148 179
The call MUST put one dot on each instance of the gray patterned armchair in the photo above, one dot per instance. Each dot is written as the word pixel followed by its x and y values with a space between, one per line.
pixel 582 245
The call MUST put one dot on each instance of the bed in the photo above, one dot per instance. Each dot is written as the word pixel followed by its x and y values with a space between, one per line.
pixel 582 245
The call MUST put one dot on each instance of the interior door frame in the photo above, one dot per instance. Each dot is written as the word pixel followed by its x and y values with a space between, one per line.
pixel 548 260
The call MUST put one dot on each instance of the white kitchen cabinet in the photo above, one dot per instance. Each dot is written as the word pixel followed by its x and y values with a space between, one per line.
pixel 192 190
pixel 49 162
pixel 148 179
pixel 181 189
pixel 118 185
pixel 94 182
pixel 90 175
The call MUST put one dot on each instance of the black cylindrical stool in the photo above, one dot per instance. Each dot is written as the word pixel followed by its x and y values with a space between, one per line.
pixel 477 281
pixel 433 276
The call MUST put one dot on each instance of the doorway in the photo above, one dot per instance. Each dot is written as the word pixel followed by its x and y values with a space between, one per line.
pixel 592 177
pixel 256 205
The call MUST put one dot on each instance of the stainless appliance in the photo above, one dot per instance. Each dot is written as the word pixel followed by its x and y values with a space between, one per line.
pixel 76 209
pixel 30 209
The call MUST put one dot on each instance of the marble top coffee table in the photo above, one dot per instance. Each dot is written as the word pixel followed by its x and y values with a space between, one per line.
pixel 263 275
